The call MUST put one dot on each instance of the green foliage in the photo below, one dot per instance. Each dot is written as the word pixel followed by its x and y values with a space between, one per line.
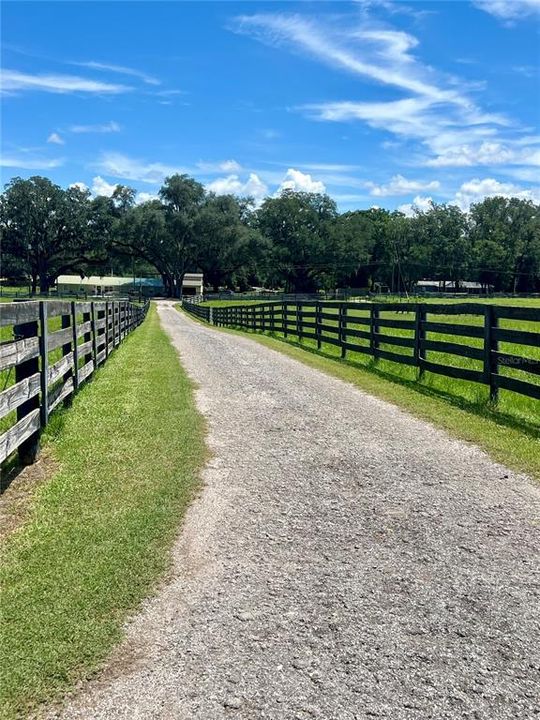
pixel 297 241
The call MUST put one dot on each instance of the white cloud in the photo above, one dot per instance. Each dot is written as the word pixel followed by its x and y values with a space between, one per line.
pixel 486 153
pixel 399 185
pixel 143 197
pixel 419 204
pixel 30 163
pixel 121 70
pixel 108 127
pixel 300 182
pixel 102 187
pixel 55 139
pixel 475 190
pixel 14 80
pixel 83 187
pixel 122 166
pixel 508 10
pixel 232 185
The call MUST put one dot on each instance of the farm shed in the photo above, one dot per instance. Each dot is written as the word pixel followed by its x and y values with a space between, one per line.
pixel 449 286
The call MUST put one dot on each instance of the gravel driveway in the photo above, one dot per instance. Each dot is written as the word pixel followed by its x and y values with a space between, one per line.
pixel 344 560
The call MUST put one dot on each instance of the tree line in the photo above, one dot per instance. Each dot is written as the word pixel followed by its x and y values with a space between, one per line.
pixel 297 241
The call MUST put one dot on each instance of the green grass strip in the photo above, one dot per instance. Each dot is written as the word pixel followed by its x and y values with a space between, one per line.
pixel 130 450
pixel 508 440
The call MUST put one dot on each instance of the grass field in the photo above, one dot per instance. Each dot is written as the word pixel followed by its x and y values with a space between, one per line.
pixel 97 538
pixel 510 404
pixel 513 442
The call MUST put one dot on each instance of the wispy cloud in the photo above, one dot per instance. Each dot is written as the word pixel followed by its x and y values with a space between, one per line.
pixel 438 111
pixel 122 166
pixel 509 10
pixel 119 70
pixel 30 163
pixel 108 127
pixel 12 80
pixel 230 166
pixel 380 55
pixel 399 185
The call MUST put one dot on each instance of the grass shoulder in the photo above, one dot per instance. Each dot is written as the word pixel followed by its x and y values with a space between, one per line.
pixel 96 541
pixel 513 443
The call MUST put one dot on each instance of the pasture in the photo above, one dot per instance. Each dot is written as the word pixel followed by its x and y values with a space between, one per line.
pixel 441 348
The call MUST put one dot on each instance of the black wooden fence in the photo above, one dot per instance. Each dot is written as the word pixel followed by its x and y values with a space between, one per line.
pixel 485 346
pixel 42 368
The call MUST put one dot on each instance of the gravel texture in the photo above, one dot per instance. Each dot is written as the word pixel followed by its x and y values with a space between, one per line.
pixel 344 560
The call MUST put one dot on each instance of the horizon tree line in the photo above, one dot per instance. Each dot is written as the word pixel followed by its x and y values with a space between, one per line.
pixel 297 241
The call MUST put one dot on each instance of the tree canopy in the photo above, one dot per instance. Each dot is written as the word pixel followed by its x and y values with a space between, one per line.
pixel 297 241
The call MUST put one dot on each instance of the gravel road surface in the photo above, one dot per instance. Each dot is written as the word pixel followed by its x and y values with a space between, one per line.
pixel 344 560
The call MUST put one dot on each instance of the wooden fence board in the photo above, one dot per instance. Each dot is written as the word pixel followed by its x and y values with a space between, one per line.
pixel 452 371
pixel 519 386
pixel 86 370
pixel 516 362
pixel 59 368
pixel 15 353
pixel 60 393
pixel 20 392
pixel 19 433
pixel 453 349
pixel 520 337
pixel 60 337
pixel 19 313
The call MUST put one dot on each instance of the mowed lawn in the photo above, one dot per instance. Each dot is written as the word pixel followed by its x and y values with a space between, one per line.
pixel 513 405
pixel 129 452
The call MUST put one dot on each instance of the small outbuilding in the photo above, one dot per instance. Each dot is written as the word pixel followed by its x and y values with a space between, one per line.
pixel 104 285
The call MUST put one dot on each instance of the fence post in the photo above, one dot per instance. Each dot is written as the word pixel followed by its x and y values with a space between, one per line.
pixel 419 336
pixel 75 345
pixel 94 333
pixel 115 323
pixel 87 337
pixel 106 329
pixel 44 357
pixel 298 321
pixel 285 318
pixel 28 450
pixel 66 349
pixel 491 347
pixel 343 329
pixel 211 315
pixel 374 328
pixel 318 323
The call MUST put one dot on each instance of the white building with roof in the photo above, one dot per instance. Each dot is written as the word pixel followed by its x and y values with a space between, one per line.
pixel 117 285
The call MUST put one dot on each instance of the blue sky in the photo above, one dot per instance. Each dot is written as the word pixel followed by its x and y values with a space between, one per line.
pixel 375 102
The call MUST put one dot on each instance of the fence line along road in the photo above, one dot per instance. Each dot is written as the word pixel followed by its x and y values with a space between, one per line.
pixel 50 366
pixel 364 327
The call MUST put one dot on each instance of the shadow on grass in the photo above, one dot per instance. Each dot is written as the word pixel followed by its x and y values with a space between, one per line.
pixel 484 409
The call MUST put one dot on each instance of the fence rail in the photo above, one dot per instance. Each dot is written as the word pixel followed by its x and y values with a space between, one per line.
pixel 427 339
pixel 54 348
